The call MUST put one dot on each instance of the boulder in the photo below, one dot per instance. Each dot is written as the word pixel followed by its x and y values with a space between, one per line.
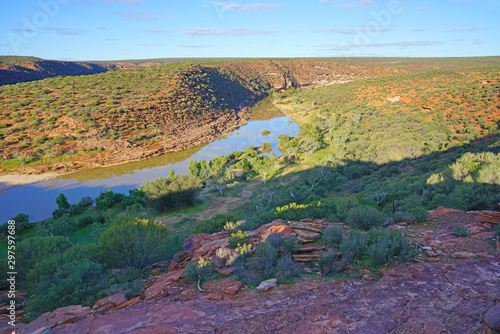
pixel 441 211
pixel 105 304
pixel 262 229
pixel 230 287
pixel 163 283
pixel 129 303
pixel 63 315
pixel 307 236
pixel 307 225
pixel 310 248
pixel 267 285
pixel 285 230
pixel 492 317
pixel 433 326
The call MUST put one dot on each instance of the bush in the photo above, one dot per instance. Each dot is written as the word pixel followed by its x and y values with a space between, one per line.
pixel 127 281
pixel 74 283
pixel 365 217
pixel 172 193
pixel 133 242
pixel 460 232
pixel 343 205
pixel 30 251
pixel 75 209
pixel 200 271
pixel 289 246
pixel 86 201
pixel 237 239
pixel 385 244
pixel 327 262
pixel 275 239
pixel 265 264
pixel 287 269
pixel 354 245
pixel 108 199
pixel 214 224
pixel 400 216
pixel 332 236
pixel 497 230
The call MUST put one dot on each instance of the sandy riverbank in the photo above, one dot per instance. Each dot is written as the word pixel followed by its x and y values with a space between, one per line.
pixel 14 180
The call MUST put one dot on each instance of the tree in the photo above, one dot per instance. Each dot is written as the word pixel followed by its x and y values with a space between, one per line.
pixel 62 202
pixel 132 242
pixel 63 226
pixel 197 169
pixel 164 194
pixel 220 180
pixel 264 166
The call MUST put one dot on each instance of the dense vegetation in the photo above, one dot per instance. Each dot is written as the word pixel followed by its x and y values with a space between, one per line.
pixel 368 152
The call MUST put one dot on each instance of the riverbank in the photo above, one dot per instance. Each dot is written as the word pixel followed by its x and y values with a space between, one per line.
pixel 8 181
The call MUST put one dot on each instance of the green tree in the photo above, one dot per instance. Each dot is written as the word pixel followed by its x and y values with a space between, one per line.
pixel 132 242
pixel 265 166
pixel 62 202
pixel 164 194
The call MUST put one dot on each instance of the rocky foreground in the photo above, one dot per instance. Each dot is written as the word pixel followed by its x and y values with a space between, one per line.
pixel 452 287
pixel 444 297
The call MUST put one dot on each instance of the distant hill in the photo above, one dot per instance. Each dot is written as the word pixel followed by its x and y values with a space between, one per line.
pixel 14 69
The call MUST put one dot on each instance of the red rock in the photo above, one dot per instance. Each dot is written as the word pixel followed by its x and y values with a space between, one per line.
pixel 63 315
pixel 281 229
pixel 433 326
pixel 230 287
pixel 441 211
pixel 261 230
pixel 129 303
pixel 484 235
pixel 155 271
pixel 492 317
pixel 215 297
pixel 433 259
pixel 307 236
pixel 310 248
pixel 225 271
pixel 173 266
pixel 310 257
pixel 112 300
pixel 463 255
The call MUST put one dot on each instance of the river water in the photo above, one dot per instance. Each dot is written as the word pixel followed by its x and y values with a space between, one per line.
pixel 39 199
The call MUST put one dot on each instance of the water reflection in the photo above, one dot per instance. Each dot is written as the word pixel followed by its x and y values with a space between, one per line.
pixel 39 199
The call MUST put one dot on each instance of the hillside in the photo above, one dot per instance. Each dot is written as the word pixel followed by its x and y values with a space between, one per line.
pixel 128 115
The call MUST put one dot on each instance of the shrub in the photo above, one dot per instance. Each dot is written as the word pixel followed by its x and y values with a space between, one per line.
pixel 30 251
pixel 275 239
pixel 401 216
pixel 365 217
pixel 238 238
pixel 108 199
pixel 226 256
pixel 287 269
pixel 332 236
pixel 164 194
pixel 265 264
pixel 214 224
pixel 354 245
pixel 127 281
pixel 200 271
pixel 86 201
pixel 460 232
pixel 344 204
pixel 327 262
pixel 497 230
pixel 75 209
pixel 385 244
pixel 74 283
pixel 133 242
pixel 289 246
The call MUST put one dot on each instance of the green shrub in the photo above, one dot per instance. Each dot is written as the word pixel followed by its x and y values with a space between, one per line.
pixel 365 217
pixel 214 224
pixel 238 238
pixel 133 242
pixel 265 264
pixel 108 199
pixel 172 193
pixel 200 271
pixel 497 230
pixel 385 244
pixel 354 245
pixel 460 232
pixel 287 269
pixel 327 262
pixel 332 236
pixel 275 239
pixel 344 205
pixel 73 283
pixel 127 281
pixel 289 246
pixel 86 201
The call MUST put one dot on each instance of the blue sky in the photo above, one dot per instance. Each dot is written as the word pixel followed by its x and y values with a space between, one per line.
pixel 140 29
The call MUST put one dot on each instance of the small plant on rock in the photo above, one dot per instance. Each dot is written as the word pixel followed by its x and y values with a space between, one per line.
pixel 238 238
pixel 460 232
pixel 287 269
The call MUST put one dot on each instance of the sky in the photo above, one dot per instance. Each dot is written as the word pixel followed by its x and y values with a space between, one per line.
pixel 145 29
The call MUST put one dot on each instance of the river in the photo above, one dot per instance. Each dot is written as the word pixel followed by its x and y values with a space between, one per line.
pixel 39 199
